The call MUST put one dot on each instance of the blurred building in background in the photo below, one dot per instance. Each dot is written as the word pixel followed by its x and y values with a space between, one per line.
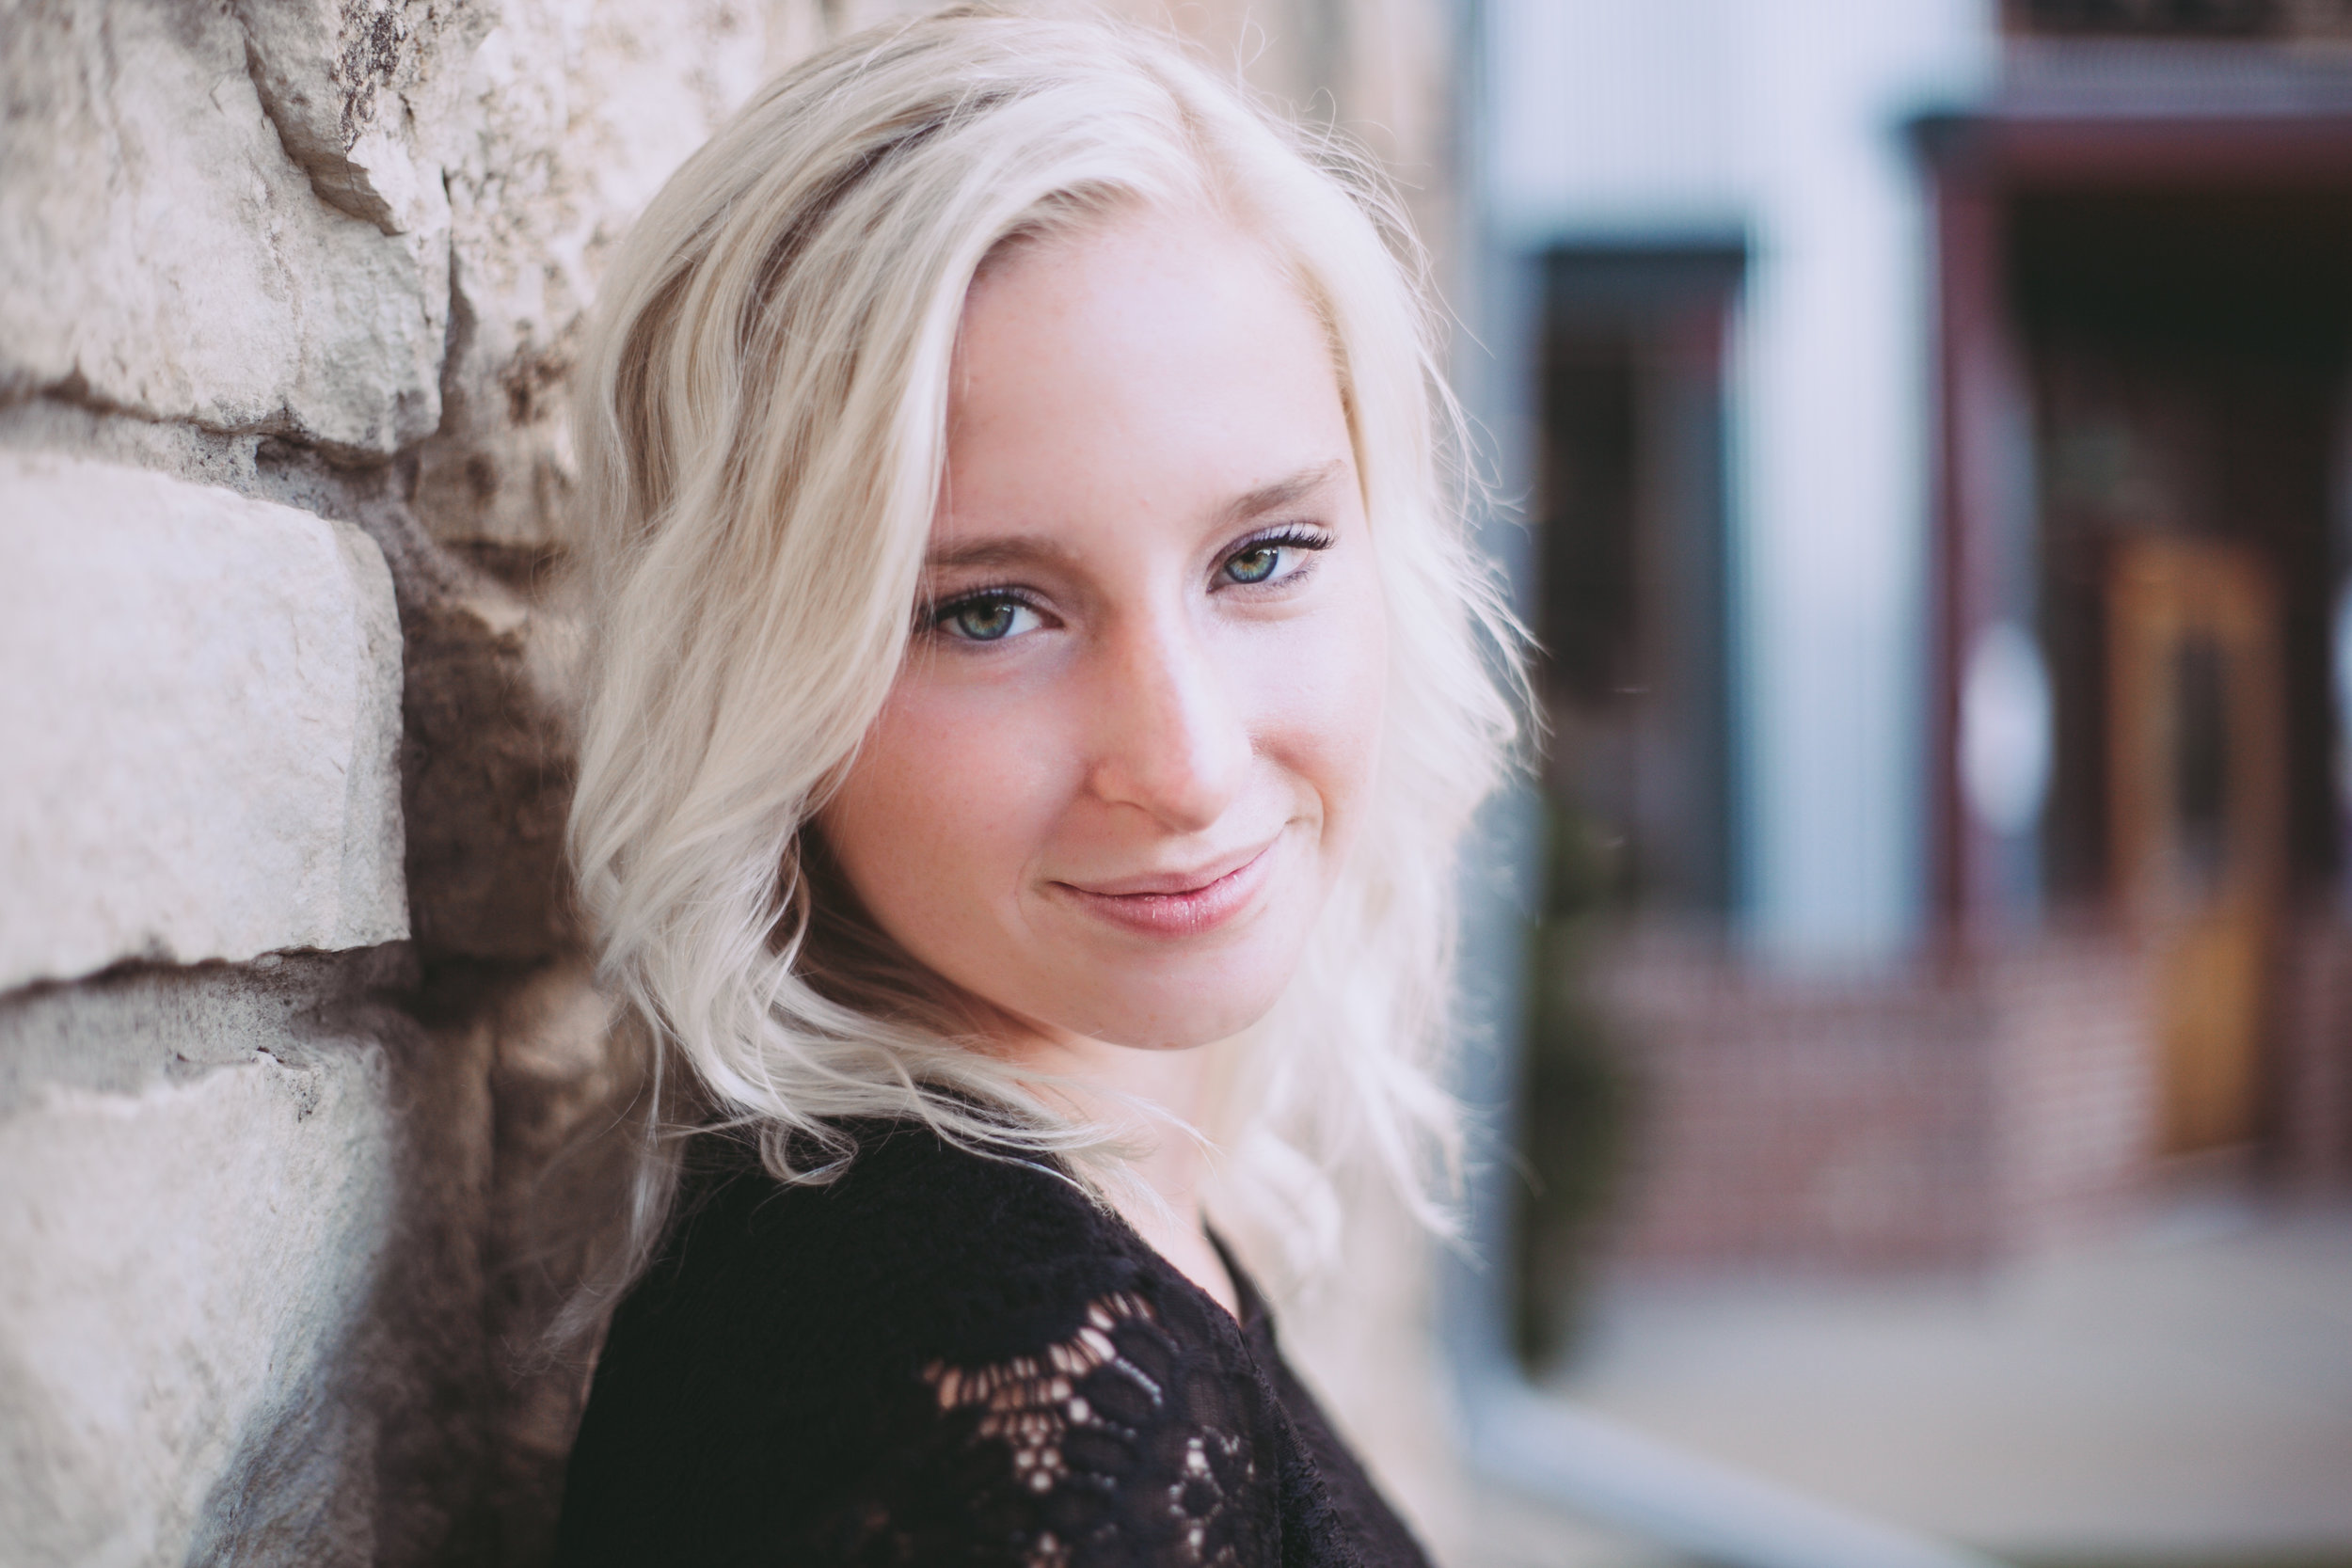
pixel 1934 430
pixel 1932 419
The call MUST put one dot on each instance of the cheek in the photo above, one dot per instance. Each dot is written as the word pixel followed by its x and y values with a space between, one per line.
pixel 940 811
pixel 1326 726
pixel 1359 715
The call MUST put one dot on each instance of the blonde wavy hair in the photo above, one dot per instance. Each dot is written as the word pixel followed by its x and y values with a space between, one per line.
pixel 761 422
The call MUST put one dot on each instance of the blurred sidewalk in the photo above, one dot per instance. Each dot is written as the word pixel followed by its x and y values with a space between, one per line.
pixel 2179 1393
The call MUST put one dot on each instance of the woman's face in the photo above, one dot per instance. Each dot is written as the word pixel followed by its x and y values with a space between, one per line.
pixel 1123 762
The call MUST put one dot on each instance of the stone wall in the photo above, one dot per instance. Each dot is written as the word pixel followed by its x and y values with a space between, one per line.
pixel 294 1012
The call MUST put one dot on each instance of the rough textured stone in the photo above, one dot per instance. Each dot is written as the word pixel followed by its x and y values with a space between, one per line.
pixel 560 1088
pixel 488 760
pixel 347 83
pixel 203 728
pixel 570 119
pixel 161 251
pixel 199 1191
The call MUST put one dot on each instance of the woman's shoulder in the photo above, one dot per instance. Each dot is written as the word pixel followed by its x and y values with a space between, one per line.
pixel 920 1250
pixel 799 1348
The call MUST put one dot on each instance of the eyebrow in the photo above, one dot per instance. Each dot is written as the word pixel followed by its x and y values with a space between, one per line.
pixel 1249 504
pixel 997 552
pixel 1282 492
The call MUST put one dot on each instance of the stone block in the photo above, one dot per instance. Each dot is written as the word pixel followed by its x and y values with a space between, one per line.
pixel 162 250
pixel 569 121
pixel 197 1189
pixel 488 770
pixel 203 714
pixel 347 83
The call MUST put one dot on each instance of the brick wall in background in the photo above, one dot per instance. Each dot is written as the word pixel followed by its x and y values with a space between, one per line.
pixel 294 1013
pixel 1919 1119
pixel 2310 1115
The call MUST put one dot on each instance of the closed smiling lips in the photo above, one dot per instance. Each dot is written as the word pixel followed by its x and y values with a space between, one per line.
pixel 1178 903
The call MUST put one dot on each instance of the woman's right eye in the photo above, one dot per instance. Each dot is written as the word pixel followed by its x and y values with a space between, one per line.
pixel 985 618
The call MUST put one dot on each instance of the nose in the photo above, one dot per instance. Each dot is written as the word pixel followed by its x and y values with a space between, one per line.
pixel 1169 738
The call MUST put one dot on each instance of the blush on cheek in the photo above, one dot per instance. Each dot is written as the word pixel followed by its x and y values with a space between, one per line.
pixel 938 819
pixel 1333 715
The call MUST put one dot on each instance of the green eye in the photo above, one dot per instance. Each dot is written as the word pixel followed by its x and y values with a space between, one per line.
pixel 1255 565
pixel 988 618
pixel 983 620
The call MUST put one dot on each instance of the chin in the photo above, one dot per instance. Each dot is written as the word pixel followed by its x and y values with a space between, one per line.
pixel 1179 1013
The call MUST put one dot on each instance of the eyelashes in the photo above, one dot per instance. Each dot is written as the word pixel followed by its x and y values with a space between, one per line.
pixel 1258 560
pixel 990 615
pixel 1282 554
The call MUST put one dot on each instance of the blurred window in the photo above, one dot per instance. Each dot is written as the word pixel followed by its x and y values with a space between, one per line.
pixel 1630 510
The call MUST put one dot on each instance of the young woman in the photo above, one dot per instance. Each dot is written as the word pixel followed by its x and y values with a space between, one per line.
pixel 1036 691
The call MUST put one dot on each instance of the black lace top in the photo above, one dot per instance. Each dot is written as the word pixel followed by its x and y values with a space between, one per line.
pixel 948 1359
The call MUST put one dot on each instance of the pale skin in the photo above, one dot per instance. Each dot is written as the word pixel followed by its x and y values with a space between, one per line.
pixel 1124 761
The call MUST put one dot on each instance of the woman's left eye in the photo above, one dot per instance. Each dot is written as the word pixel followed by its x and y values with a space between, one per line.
pixel 1255 565
pixel 985 618
pixel 1268 560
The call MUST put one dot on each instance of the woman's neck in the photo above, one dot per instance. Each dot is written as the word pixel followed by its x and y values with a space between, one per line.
pixel 1151 1098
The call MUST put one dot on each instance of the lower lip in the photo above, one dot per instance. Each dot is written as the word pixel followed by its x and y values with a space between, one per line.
pixel 1189 914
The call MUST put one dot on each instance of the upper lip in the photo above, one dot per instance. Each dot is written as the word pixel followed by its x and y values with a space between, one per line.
pixel 1165 884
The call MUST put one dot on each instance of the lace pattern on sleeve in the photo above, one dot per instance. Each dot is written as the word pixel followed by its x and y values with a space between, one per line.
pixel 1118 1445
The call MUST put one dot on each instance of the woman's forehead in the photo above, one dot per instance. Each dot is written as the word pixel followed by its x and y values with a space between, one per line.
pixel 1138 324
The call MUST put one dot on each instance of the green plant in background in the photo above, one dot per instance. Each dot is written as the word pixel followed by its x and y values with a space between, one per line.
pixel 1576 1100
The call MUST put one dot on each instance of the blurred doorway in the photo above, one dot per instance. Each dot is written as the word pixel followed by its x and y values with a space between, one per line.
pixel 2197 774
pixel 2187 354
